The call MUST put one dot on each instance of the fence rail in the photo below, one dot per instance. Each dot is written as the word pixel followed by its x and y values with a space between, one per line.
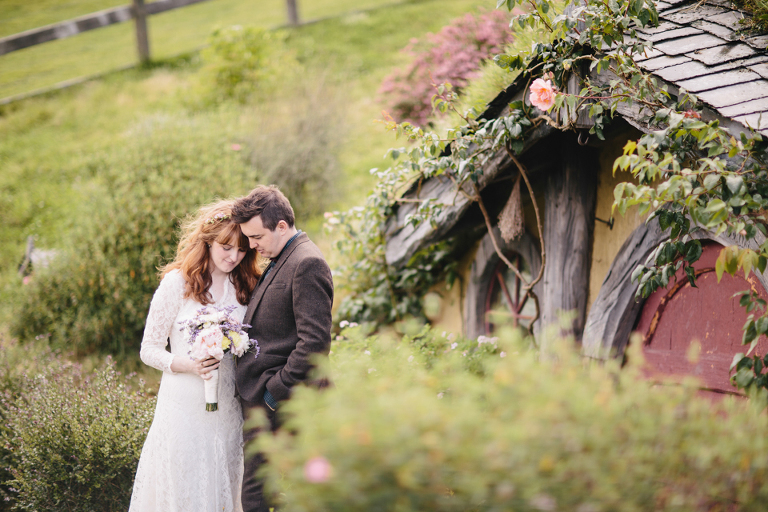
pixel 138 11
pixel 91 21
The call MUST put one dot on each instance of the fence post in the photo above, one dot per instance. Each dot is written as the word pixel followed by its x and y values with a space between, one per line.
pixel 142 36
pixel 293 12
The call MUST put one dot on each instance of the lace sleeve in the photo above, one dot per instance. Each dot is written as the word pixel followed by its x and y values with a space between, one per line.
pixel 165 306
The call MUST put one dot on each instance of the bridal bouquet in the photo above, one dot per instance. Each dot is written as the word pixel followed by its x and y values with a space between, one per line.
pixel 212 332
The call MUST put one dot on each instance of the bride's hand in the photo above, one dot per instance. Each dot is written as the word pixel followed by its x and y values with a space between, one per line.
pixel 200 367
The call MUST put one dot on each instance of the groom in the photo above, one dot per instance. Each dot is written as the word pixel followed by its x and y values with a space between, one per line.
pixel 290 315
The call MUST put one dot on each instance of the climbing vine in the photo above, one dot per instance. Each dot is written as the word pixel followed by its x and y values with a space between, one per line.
pixel 690 174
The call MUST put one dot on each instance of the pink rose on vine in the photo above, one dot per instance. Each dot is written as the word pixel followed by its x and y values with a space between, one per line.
pixel 542 94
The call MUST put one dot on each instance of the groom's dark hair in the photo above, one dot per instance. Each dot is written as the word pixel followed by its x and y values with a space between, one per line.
pixel 267 202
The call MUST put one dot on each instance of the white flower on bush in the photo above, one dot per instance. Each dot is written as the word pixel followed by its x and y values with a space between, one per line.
pixel 543 502
pixel 454 345
pixel 410 359
pixel 503 354
pixel 353 324
pixel 440 395
pixel 485 339
pixel 343 324
pixel 452 336
pixel 367 352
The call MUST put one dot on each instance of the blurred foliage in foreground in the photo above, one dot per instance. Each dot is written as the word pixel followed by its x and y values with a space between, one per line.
pixel 70 439
pixel 428 422
pixel 413 427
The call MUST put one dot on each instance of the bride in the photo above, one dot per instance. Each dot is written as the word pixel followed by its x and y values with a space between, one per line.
pixel 192 459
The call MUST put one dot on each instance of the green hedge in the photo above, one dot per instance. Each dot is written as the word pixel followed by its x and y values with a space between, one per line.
pixel 71 439
pixel 402 431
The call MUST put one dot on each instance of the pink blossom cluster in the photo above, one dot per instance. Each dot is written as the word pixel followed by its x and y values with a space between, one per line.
pixel 452 55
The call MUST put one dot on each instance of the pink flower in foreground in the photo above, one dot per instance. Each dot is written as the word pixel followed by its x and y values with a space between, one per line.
pixel 317 470
pixel 236 147
pixel 542 94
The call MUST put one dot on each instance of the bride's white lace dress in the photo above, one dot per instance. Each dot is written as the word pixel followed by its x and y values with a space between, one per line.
pixel 192 459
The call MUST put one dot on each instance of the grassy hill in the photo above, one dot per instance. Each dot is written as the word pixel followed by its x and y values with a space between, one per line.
pixel 56 149
pixel 171 33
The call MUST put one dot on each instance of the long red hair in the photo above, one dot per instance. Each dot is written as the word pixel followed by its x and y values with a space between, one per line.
pixel 213 223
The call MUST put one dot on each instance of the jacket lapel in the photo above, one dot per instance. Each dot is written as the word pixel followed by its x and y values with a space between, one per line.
pixel 261 289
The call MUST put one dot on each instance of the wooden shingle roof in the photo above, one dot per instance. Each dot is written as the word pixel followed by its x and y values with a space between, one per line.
pixel 700 46
pixel 703 48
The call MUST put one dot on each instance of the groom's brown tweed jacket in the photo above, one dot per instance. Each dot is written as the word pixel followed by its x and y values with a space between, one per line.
pixel 290 317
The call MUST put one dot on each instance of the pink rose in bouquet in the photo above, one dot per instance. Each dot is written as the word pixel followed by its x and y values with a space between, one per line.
pixel 209 343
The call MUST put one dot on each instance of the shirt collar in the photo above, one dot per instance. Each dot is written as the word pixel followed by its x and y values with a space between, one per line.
pixel 289 242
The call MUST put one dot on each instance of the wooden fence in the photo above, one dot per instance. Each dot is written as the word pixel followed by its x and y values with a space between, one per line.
pixel 137 11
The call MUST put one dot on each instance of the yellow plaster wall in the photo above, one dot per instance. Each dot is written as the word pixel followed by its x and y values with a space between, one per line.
pixel 451 315
pixel 607 242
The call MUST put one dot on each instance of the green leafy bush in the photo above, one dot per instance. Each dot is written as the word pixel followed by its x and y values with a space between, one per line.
pixel 396 433
pixel 295 145
pixel 75 439
pixel 16 365
pixel 240 62
pixel 95 296
pixel 372 291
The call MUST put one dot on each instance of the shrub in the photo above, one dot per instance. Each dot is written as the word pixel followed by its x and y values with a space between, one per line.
pixel 16 364
pixel 240 62
pixel 452 55
pixel 296 144
pixel 397 434
pixel 95 297
pixel 74 439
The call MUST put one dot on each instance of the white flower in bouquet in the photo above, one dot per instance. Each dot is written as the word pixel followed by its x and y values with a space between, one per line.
pixel 237 342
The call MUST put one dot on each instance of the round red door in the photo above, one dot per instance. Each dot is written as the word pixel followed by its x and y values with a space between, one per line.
pixel 673 317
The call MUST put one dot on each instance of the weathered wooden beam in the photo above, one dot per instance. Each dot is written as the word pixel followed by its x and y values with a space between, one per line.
pixel 569 196
pixel 405 240
pixel 91 21
pixel 614 311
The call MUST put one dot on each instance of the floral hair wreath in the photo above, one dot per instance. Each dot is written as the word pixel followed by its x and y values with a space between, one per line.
pixel 217 218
